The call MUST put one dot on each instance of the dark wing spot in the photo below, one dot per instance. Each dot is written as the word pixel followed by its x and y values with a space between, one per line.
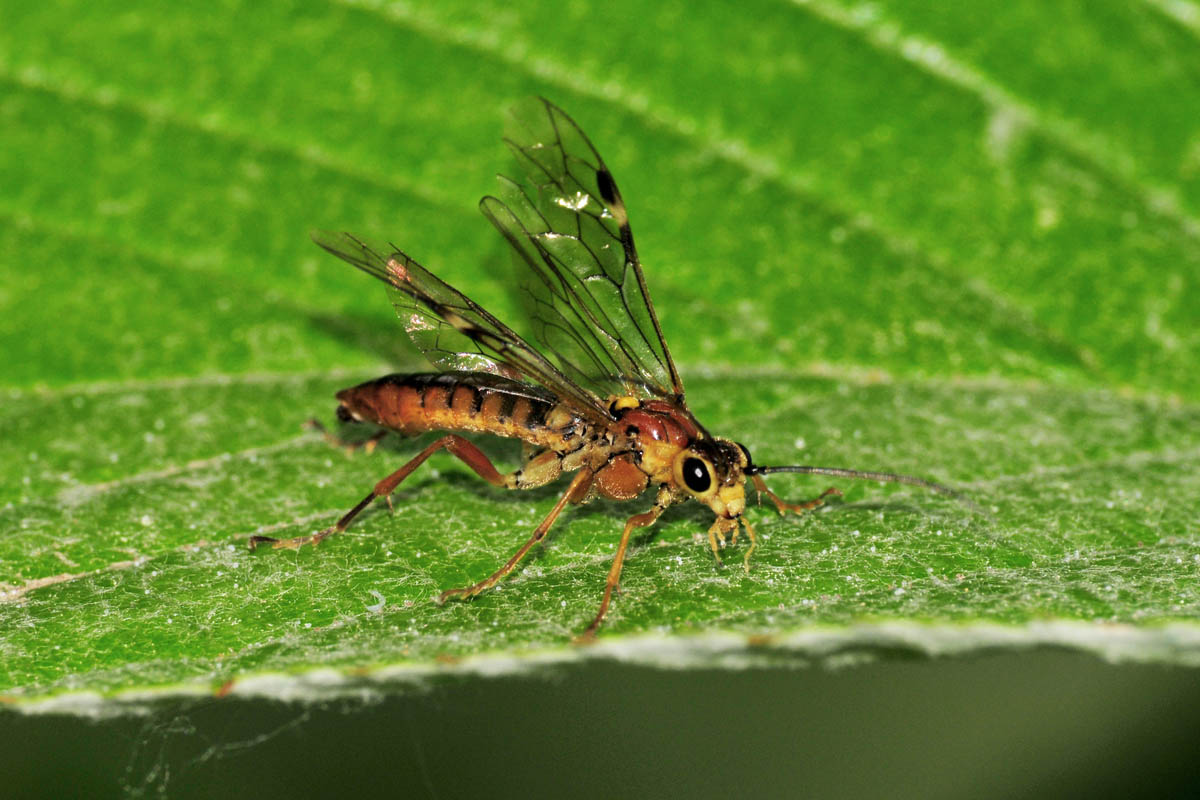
pixel 607 187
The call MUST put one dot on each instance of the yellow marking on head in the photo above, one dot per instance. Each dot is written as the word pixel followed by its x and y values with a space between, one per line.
pixel 733 499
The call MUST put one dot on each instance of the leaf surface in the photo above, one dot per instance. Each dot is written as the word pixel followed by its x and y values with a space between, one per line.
pixel 957 245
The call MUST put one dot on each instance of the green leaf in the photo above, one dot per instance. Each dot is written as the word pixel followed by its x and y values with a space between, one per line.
pixel 953 244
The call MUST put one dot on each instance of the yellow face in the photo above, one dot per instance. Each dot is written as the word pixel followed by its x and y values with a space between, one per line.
pixel 711 472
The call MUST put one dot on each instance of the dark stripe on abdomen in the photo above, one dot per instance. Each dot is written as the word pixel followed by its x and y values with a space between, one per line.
pixel 468 402
pixel 507 403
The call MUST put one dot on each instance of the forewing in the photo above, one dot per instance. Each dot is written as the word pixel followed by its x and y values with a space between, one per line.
pixel 453 331
pixel 584 288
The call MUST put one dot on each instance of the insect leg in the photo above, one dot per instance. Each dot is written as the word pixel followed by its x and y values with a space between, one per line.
pixel 717 533
pixel 785 507
pixel 367 444
pixel 753 543
pixel 471 455
pixel 614 572
pixel 575 492
pixel 722 526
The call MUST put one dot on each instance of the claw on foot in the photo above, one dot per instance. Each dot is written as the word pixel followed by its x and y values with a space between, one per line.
pixel 584 639
pixel 465 593
pixel 367 444
pixel 796 508
pixel 255 541
pixel 291 544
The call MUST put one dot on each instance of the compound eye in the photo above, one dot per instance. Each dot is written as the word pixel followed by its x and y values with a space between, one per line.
pixel 696 475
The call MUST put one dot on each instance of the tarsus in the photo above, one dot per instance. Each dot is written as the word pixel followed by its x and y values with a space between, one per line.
pixel 887 477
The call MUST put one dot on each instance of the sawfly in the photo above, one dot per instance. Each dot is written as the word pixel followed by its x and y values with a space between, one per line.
pixel 594 393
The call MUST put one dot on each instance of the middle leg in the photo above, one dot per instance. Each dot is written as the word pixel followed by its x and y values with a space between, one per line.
pixel 577 489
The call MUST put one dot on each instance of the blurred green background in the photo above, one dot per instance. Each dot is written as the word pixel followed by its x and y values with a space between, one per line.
pixel 959 241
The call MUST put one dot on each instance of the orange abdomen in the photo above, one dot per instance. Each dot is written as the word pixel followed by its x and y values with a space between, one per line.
pixel 460 401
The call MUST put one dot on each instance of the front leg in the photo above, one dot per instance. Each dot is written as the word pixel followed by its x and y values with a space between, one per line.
pixel 663 500
pixel 578 488
pixel 798 508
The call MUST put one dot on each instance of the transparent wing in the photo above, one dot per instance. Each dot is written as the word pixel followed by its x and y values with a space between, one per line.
pixel 591 312
pixel 453 331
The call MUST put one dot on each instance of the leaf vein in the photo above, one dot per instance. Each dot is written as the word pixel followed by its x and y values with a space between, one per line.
pixel 935 59
pixel 34 79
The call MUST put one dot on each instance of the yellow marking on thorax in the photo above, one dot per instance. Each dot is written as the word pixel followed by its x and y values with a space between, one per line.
pixel 623 403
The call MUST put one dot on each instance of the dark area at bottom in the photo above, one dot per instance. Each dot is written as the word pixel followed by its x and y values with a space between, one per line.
pixel 1042 724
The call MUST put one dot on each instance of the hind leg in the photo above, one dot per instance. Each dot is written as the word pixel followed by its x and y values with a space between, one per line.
pixel 471 455
pixel 334 440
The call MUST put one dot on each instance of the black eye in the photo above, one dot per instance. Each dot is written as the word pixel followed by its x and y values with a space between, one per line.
pixel 695 475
